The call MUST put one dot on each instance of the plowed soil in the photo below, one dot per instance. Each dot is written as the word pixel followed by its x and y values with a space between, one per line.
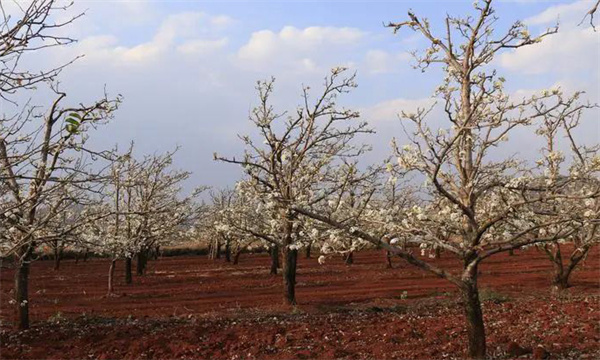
pixel 192 307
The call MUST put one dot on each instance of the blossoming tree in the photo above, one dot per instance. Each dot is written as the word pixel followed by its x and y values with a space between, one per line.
pixel 146 207
pixel 297 153
pixel 475 206
pixel 45 161
pixel 572 188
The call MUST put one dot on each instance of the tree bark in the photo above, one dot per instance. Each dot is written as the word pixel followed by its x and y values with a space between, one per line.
pixel 388 259
pixel 141 262
pixel 474 315
pixel 57 257
pixel 22 293
pixel 349 258
pixel 227 250
pixel 236 257
pixel 218 250
pixel 274 259
pixel 437 253
pixel 128 277
pixel 290 258
pixel 111 276
pixel 308 248
pixel 563 273
pixel 210 250
pixel 511 252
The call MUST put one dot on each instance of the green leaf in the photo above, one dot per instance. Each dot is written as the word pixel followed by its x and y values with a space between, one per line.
pixel 72 128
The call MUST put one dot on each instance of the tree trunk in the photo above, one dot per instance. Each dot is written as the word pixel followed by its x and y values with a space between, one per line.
pixel 511 252
pixel 236 257
pixel 210 250
pixel 562 274
pixel 290 258
pixel 228 250
pixel 111 276
pixel 437 253
pixel 561 281
pixel 85 255
pixel 128 277
pixel 57 257
pixel 474 315
pixel 22 293
pixel 388 259
pixel 141 262
pixel 274 259
pixel 308 248
pixel 218 250
pixel 349 259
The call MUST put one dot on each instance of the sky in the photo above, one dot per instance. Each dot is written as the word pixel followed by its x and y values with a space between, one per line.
pixel 187 69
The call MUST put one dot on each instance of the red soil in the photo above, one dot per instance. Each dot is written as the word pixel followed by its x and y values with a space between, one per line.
pixel 192 307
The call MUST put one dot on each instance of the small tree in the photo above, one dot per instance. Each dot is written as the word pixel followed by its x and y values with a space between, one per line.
pixel 146 208
pixel 298 152
pixel 238 222
pixel 573 189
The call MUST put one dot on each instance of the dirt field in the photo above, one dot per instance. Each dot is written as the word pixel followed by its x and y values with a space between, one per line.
pixel 191 307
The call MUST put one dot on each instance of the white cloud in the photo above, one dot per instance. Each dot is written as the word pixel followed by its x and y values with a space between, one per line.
pixel 565 13
pixel 297 49
pixel 574 49
pixel 568 51
pixel 380 61
pixel 222 20
pixel 188 33
pixel 202 47
pixel 389 110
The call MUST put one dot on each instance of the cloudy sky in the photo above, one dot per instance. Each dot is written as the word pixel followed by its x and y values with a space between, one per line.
pixel 187 69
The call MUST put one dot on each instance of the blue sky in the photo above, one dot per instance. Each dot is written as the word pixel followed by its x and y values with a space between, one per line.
pixel 187 69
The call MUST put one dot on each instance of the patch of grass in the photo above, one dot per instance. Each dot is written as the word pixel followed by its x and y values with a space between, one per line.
pixel 297 311
pixel 489 295
pixel 57 318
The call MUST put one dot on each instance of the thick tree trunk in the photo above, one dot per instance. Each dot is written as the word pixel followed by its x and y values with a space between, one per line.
pixel 111 276
pixel 437 253
pixel 128 277
pixel 308 248
pixel 274 259
pixel 22 293
pixel 474 315
pixel 290 258
pixel 349 258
